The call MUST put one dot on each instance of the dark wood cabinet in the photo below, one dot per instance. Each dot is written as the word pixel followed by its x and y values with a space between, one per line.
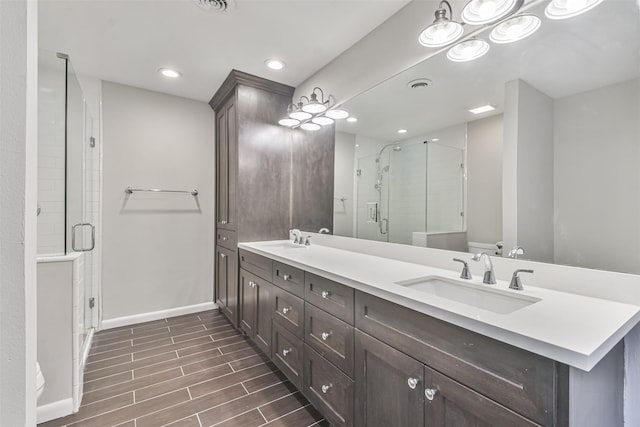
pixel 226 166
pixel 255 296
pixel 226 282
pixel 449 403
pixel 389 386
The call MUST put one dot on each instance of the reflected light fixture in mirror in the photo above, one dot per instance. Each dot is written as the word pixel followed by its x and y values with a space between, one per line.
pixel 563 9
pixel 443 31
pixel 296 113
pixel 352 119
pixel 468 50
pixel 481 12
pixel 168 72
pixel 313 113
pixel 288 122
pixel 514 29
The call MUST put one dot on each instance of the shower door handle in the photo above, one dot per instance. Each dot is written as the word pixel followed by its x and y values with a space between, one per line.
pixel 73 237
pixel 386 226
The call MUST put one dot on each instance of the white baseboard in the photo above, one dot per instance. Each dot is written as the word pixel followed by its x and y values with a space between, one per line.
pixel 54 410
pixel 156 315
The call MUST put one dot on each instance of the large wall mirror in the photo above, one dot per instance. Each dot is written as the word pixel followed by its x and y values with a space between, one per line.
pixel 554 168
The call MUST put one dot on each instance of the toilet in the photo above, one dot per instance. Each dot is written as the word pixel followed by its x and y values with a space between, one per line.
pixel 39 381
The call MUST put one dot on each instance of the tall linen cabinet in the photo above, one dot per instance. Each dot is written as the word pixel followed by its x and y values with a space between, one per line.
pixel 269 178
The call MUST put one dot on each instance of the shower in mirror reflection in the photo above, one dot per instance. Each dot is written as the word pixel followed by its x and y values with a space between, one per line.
pixel 381 170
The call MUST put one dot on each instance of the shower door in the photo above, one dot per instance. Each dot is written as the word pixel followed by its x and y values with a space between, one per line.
pixel 81 190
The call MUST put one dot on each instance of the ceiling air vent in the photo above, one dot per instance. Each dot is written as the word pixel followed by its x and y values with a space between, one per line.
pixel 219 5
pixel 419 84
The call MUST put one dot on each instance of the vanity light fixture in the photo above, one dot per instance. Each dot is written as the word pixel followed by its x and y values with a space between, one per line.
pixel 337 113
pixel 482 12
pixel 310 126
pixel 515 28
pixel 563 9
pixel 482 109
pixel 168 72
pixel 468 50
pixel 313 105
pixel 443 30
pixel 313 111
pixel 322 120
pixel 274 64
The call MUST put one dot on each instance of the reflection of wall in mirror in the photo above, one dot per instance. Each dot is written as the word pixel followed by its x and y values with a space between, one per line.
pixel 343 185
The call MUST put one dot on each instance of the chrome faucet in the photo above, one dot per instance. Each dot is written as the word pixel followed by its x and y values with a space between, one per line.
pixel 323 230
pixel 465 269
pixel 297 236
pixel 515 251
pixel 489 276
pixel 516 283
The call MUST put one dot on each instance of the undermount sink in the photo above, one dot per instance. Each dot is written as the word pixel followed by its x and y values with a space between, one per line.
pixel 474 295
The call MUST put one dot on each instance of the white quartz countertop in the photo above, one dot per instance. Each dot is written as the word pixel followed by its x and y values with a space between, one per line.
pixel 573 329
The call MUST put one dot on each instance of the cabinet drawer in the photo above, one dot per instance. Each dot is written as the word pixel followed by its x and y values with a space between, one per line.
pixel 508 375
pixel 328 389
pixel 256 264
pixel 330 337
pixel 330 296
pixel 289 278
pixel 288 353
pixel 226 238
pixel 288 311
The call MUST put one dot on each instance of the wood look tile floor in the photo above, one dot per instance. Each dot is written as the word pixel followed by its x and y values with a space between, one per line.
pixel 189 371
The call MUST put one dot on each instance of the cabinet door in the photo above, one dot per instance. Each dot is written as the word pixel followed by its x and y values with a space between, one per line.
pixel 226 162
pixel 226 282
pixel 451 404
pixel 389 386
pixel 263 309
pixel 247 299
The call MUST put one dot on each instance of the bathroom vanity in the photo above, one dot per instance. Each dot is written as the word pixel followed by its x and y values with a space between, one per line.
pixel 373 341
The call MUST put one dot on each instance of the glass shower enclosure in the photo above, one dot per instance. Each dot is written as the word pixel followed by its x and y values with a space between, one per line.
pixel 68 173
pixel 404 189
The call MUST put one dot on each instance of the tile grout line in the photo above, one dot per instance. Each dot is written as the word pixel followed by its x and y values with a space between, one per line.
pixel 288 413
pixel 265 418
pixel 199 420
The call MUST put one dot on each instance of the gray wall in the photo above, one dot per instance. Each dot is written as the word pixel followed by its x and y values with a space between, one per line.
pixel 18 192
pixel 527 196
pixel 597 151
pixel 157 248
pixel 343 184
pixel 484 180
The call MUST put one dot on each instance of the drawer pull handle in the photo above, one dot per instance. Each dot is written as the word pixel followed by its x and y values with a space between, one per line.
pixel 325 294
pixel 222 255
pixel 285 352
pixel 286 310
pixel 286 277
pixel 224 221
pixel 325 335
pixel 430 393
pixel 412 383
pixel 252 283
pixel 325 388
pixel 225 238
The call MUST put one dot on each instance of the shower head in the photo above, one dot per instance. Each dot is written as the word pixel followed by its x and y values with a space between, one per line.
pixel 396 148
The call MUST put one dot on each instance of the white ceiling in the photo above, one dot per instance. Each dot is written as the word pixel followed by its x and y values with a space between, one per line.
pixel 565 57
pixel 126 41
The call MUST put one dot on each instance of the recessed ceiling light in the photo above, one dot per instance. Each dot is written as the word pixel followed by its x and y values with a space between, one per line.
pixel 562 9
pixel 274 64
pixel 357 145
pixel 435 139
pixel 168 72
pixel 352 119
pixel 402 131
pixel 482 109
pixel 514 29
pixel 468 50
